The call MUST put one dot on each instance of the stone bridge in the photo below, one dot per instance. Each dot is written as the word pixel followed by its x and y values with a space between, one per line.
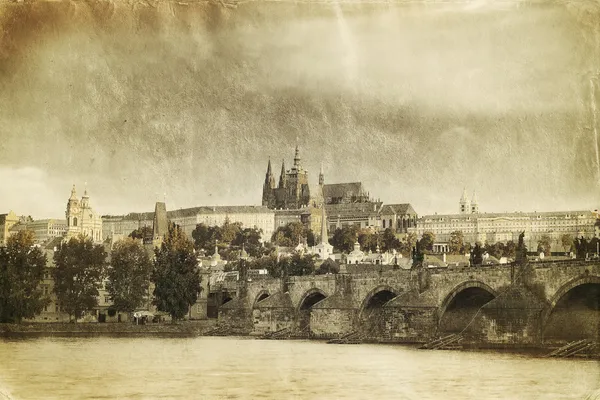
pixel 525 305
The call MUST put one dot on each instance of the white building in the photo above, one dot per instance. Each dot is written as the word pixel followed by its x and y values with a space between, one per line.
pixel 502 227
pixel 82 219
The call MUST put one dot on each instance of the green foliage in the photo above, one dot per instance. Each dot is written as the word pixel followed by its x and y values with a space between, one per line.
pixel 567 242
pixel 292 234
pixel 390 241
pixel 495 250
pixel 457 243
pixel 427 241
pixel 142 233
pixel 229 234
pixel 176 275
pixel 80 270
pixel 368 240
pixel 267 262
pixel 592 246
pixel 510 250
pixel 477 255
pixel 299 265
pixel 408 244
pixel 296 265
pixel 544 245
pixel 343 239
pixel 21 271
pixel 250 240
pixel 129 275
pixel 328 266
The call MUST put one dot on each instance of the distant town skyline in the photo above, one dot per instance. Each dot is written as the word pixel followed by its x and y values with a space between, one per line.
pixel 416 103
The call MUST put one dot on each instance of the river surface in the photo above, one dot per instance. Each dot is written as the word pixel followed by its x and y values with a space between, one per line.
pixel 240 368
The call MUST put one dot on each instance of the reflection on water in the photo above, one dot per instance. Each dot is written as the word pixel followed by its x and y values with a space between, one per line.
pixel 238 368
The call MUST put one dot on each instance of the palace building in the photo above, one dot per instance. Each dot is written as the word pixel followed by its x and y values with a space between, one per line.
pixel 502 227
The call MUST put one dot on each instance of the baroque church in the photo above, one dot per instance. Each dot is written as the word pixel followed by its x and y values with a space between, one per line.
pixel 81 218
pixel 294 190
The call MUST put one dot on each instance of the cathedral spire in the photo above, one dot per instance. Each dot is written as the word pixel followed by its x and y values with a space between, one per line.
pixel 269 178
pixel 282 177
pixel 297 158
pixel 324 236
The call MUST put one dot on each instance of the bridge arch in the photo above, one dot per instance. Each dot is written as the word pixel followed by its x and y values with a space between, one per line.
pixel 377 297
pixel 462 303
pixel 371 315
pixel 263 294
pixel 308 299
pixel 576 305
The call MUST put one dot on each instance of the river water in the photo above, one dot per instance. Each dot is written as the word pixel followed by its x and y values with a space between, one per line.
pixel 240 368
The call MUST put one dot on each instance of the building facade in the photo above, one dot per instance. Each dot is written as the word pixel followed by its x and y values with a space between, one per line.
pixel 81 218
pixel 249 216
pixel 7 221
pixel 502 227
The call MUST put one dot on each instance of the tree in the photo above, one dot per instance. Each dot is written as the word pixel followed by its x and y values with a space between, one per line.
pixel 495 249
pixel 300 265
pixel 176 275
pixel 457 243
pixel 292 234
pixel 510 249
pixel 390 241
pixel 407 245
pixel 128 275
pixel 343 239
pixel 368 240
pixel 427 241
pixel 142 233
pixel 250 239
pixel 567 242
pixel 477 255
pixel 79 272
pixel 21 272
pixel 229 231
pixel 328 266
pixel 544 245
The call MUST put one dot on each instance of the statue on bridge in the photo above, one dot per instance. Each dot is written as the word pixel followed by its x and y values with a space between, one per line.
pixel 417 256
pixel 521 253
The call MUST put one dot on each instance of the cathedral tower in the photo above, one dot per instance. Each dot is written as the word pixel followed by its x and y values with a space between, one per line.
pixel 464 205
pixel 268 198
pixel 474 204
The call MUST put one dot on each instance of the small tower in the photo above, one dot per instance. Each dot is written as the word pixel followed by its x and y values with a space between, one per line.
pixel 464 205
pixel 72 214
pixel 297 159
pixel 474 204
pixel 321 176
pixel 282 177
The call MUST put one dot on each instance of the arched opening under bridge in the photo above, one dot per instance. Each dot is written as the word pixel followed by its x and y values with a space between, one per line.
pixel 372 315
pixel 460 308
pixel 574 313
pixel 311 298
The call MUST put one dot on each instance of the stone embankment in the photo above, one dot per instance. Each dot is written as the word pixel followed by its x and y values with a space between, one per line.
pixel 180 329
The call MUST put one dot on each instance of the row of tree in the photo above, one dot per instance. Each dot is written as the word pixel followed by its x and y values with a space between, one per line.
pixel 81 268
pixel 294 265
pixel 230 237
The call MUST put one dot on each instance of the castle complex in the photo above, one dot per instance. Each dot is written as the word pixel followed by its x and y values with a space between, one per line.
pixel 294 192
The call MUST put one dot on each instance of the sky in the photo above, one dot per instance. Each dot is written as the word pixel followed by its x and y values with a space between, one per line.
pixel 186 102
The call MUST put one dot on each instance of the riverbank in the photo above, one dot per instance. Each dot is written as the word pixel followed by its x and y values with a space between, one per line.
pixel 180 329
